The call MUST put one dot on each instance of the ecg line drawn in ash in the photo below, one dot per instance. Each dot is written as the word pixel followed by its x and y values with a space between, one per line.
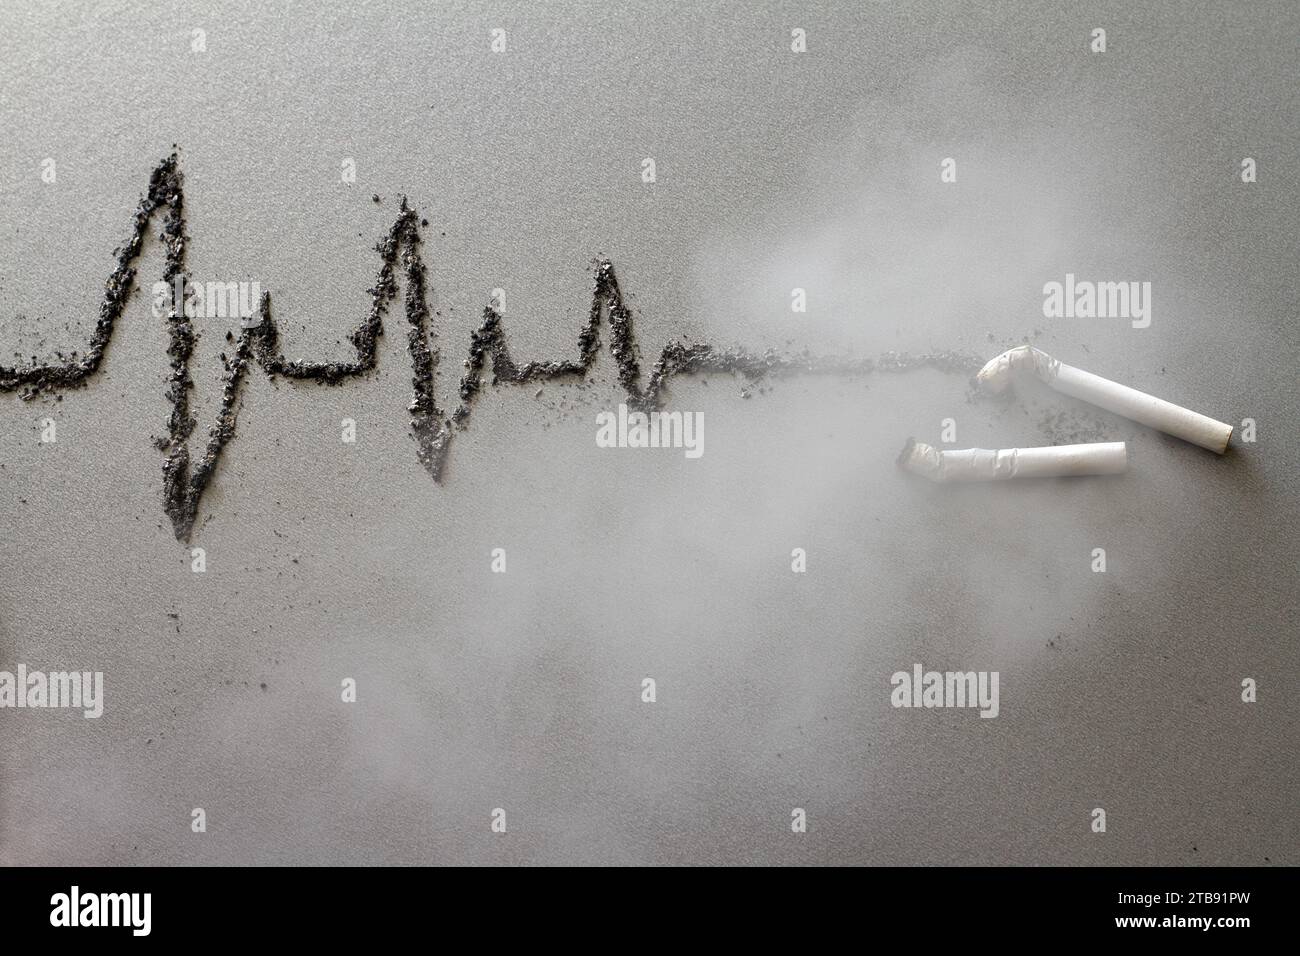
pixel 184 480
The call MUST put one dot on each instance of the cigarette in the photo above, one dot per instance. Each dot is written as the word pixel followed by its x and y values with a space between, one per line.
pixel 1139 406
pixel 985 464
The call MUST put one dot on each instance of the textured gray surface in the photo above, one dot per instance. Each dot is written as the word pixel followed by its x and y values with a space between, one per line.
pixel 476 690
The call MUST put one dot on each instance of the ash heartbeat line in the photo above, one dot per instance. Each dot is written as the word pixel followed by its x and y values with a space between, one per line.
pixel 184 480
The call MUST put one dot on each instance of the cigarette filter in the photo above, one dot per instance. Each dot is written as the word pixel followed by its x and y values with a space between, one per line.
pixel 984 464
pixel 1139 406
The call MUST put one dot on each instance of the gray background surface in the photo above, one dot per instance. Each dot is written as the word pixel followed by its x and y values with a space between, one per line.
pixel 775 170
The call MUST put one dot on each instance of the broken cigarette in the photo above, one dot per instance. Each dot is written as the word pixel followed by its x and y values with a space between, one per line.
pixel 1139 406
pixel 984 464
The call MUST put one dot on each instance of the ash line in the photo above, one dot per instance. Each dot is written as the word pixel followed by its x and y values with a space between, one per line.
pixel 184 480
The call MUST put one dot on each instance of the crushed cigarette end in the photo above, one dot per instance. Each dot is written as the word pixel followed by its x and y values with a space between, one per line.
pixel 984 464
pixel 1142 408
pixel 996 375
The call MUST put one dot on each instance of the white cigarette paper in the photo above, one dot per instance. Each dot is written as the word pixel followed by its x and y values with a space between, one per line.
pixel 1139 406
pixel 984 464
